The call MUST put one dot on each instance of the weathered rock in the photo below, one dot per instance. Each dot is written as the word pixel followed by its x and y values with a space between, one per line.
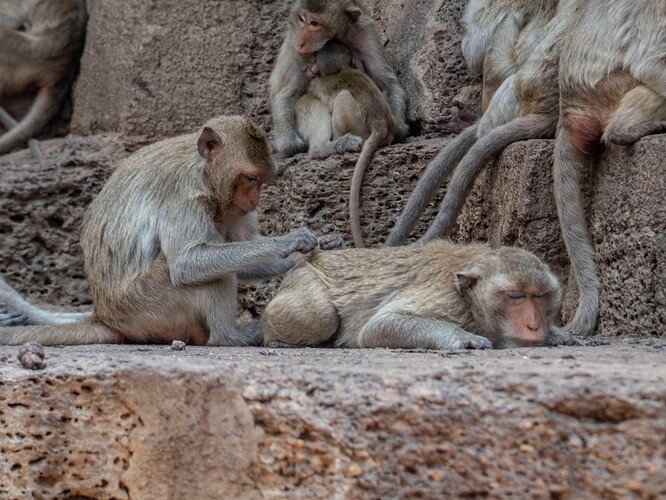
pixel 168 65
pixel 145 422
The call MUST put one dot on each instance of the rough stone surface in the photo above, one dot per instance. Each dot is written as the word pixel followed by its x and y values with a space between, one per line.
pixel 146 422
pixel 169 65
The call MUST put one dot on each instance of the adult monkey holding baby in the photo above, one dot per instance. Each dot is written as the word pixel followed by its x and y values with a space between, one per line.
pixel 166 239
pixel 312 24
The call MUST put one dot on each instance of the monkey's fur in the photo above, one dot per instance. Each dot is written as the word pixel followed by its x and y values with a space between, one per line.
pixel 432 296
pixel 613 88
pixel 525 106
pixel 347 22
pixel 165 239
pixel 358 108
pixel 40 42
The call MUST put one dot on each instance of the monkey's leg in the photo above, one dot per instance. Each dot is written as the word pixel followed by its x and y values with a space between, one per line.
pixel 641 112
pixel 46 105
pixel 347 116
pixel 301 313
pixel 85 332
pixel 569 160
pixel 15 310
pixel 428 184
pixel 9 123
pixel 484 150
pixel 395 329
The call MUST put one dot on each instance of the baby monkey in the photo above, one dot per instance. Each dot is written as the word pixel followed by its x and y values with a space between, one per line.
pixel 357 107
pixel 430 296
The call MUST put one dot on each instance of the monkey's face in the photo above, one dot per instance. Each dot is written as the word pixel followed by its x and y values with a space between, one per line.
pixel 523 315
pixel 246 191
pixel 312 32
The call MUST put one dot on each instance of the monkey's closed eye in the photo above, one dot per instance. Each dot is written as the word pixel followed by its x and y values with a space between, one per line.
pixel 301 19
pixel 251 178
pixel 314 23
pixel 514 295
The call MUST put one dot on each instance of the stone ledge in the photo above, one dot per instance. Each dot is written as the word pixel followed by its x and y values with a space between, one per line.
pixel 147 422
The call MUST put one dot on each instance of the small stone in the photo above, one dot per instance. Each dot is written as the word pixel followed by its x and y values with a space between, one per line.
pixel 177 345
pixel 436 476
pixel 31 356
pixel 354 470
pixel 526 448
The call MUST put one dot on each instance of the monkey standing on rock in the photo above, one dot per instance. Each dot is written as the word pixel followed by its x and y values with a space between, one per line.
pixel 613 88
pixel 40 40
pixel 432 296
pixel 312 24
pixel 166 238
pixel 358 108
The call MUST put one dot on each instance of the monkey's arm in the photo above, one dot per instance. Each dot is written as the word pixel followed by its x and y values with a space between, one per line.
pixel 397 329
pixel 191 264
pixel 287 83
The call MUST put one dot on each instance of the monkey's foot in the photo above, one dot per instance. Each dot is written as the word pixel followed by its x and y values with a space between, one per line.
pixel 559 336
pixel 11 318
pixel 286 147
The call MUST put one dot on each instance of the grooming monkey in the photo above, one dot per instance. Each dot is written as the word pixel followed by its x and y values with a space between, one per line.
pixel 431 296
pixel 613 88
pixel 166 238
pixel 525 106
pixel 40 41
pixel 312 24
pixel 357 107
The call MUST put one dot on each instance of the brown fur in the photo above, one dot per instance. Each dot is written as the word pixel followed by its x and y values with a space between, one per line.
pixel 433 296
pixel 347 22
pixel 358 108
pixel 166 238
pixel 40 42
pixel 613 88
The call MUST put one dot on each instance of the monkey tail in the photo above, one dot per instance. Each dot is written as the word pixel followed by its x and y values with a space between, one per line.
pixel 85 332
pixel 569 161
pixel 371 145
pixel 485 149
pixel 46 105
pixel 427 185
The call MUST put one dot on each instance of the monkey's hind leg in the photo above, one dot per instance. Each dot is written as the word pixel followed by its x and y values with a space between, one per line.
pixel 641 112
pixel 9 123
pixel 301 313
pixel 393 328
pixel 347 116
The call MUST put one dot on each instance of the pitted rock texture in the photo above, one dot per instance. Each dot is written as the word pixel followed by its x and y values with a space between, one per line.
pixel 147 422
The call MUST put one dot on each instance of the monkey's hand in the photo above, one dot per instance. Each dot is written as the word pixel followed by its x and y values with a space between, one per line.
pixel 302 241
pixel 289 146
pixel 558 336
pixel 11 318
pixel 468 340
pixel 331 242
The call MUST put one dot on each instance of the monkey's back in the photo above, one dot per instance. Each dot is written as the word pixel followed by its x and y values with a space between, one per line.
pixel 361 281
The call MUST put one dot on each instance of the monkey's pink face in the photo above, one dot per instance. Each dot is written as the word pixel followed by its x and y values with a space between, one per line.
pixel 247 191
pixel 313 33
pixel 525 315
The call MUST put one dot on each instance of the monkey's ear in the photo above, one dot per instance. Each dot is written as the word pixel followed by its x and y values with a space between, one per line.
pixel 354 12
pixel 209 143
pixel 466 280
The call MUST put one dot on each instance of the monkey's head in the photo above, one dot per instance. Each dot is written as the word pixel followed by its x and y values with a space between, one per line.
pixel 318 21
pixel 332 58
pixel 238 162
pixel 513 297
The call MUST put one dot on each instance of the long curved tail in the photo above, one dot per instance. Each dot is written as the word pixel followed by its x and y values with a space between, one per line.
pixel 85 332
pixel 46 106
pixel 371 145
pixel 428 184
pixel 569 161
pixel 484 150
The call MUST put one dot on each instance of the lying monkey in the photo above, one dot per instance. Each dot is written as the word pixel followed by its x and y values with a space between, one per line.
pixel 432 296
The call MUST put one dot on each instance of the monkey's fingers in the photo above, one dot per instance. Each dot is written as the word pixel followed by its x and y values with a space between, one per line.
pixel 331 242
pixel 11 318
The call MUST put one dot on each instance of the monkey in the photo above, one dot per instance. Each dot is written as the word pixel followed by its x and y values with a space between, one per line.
pixel 612 85
pixel 313 118
pixel 357 107
pixel 436 295
pixel 167 237
pixel 15 310
pixel 40 42
pixel 525 106
pixel 312 23
pixel 8 121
